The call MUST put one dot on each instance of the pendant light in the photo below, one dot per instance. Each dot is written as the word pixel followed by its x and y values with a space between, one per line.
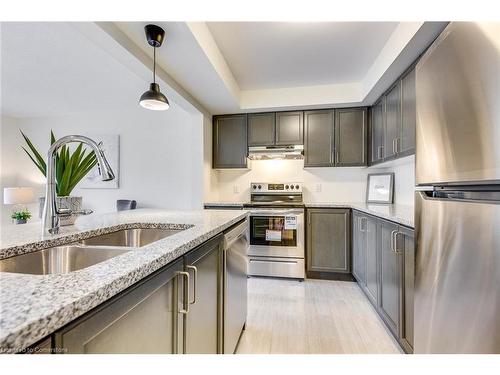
pixel 153 98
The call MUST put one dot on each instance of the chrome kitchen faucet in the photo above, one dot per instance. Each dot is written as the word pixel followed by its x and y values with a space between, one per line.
pixel 51 213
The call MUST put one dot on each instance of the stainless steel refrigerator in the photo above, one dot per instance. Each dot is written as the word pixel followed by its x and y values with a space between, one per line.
pixel 457 298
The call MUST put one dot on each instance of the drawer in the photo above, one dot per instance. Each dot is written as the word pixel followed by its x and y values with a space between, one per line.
pixel 276 267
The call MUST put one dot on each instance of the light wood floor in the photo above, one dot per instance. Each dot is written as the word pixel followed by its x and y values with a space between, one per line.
pixel 311 317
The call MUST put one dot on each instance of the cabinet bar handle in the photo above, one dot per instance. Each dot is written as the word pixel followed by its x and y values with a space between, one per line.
pixel 396 243
pixel 336 157
pixel 195 282
pixel 393 236
pixel 185 301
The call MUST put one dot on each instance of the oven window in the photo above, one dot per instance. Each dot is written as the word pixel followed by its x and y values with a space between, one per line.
pixel 269 230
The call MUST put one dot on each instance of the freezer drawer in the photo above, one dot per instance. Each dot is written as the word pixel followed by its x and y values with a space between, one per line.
pixel 457 298
pixel 458 111
pixel 276 267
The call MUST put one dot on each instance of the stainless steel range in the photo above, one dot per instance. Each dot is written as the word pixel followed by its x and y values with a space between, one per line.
pixel 276 230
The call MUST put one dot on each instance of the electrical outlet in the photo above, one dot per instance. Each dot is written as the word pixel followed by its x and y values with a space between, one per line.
pixel 235 189
pixel 318 188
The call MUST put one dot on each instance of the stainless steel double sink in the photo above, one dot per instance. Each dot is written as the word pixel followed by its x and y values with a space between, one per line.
pixel 84 253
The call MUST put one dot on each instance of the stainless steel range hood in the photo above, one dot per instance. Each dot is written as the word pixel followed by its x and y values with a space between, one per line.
pixel 276 152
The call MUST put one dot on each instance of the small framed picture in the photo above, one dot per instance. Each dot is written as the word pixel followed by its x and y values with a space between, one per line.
pixel 380 188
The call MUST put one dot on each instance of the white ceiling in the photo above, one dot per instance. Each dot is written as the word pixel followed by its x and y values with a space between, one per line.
pixel 263 55
pixel 233 67
pixel 50 69
pixel 61 68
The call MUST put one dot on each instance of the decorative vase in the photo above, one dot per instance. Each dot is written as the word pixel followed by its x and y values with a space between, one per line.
pixel 20 221
pixel 72 203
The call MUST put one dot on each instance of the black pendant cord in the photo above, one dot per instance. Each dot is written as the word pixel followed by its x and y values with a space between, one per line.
pixel 154 64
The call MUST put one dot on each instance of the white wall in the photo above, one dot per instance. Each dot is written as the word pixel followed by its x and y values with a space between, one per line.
pixel 161 156
pixel 320 184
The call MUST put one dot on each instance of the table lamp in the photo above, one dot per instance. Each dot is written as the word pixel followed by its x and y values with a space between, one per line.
pixel 19 196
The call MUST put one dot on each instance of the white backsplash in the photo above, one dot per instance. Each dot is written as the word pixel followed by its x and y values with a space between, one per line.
pixel 320 184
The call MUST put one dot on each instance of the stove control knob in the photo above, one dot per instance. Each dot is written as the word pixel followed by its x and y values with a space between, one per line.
pixel 286 187
pixel 260 187
pixel 296 186
pixel 291 186
pixel 254 187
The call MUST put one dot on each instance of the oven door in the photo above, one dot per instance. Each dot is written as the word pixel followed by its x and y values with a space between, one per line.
pixel 277 232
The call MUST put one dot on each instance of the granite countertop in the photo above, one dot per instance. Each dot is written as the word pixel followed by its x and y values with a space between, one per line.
pixel 34 306
pixel 398 213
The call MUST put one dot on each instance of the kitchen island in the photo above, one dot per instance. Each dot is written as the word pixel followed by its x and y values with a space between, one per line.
pixel 35 306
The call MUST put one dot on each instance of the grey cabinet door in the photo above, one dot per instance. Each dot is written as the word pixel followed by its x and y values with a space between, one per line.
pixel 290 128
pixel 377 118
pixel 318 139
pixel 230 141
pixel 406 245
pixel 328 240
pixel 143 319
pixel 359 248
pixel 390 278
pixel 201 323
pixel 392 121
pixel 261 129
pixel 350 137
pixel 406 141
pixel 372 259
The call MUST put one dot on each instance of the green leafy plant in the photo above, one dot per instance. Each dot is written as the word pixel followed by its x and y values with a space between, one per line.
pixel 71 167
pixel 21 215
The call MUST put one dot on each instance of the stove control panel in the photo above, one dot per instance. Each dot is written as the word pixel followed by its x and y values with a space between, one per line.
pixel 287 187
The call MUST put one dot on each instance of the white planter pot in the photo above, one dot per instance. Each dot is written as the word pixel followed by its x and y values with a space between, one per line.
pixel 72 203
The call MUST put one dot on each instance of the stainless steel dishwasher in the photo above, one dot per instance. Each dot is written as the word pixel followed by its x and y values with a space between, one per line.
pixel 234 307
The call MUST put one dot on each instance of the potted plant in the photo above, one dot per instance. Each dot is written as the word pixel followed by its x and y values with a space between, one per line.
pixel 71 168
pixel 21 217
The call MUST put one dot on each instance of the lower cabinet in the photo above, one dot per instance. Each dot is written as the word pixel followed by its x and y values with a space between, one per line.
pixel 201 323
pixel 328 242
pixel 144 319
pixel 364 254
pixel 358 249
pixel 384 267
pixel 175 310
pixel 406 244
pixel 390 277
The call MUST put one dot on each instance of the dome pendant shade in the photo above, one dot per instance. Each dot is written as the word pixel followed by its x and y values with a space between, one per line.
pixel 153 99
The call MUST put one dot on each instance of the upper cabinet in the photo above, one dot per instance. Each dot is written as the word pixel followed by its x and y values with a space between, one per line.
pixel 276 129
pixel 350 137
pixel 335 138
pixel 393 121
pixel 261 129
pixel 318 139
pixel 406 145
pixel 377 112
pixel 290 128
pixel 230 141
pixel 339 137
